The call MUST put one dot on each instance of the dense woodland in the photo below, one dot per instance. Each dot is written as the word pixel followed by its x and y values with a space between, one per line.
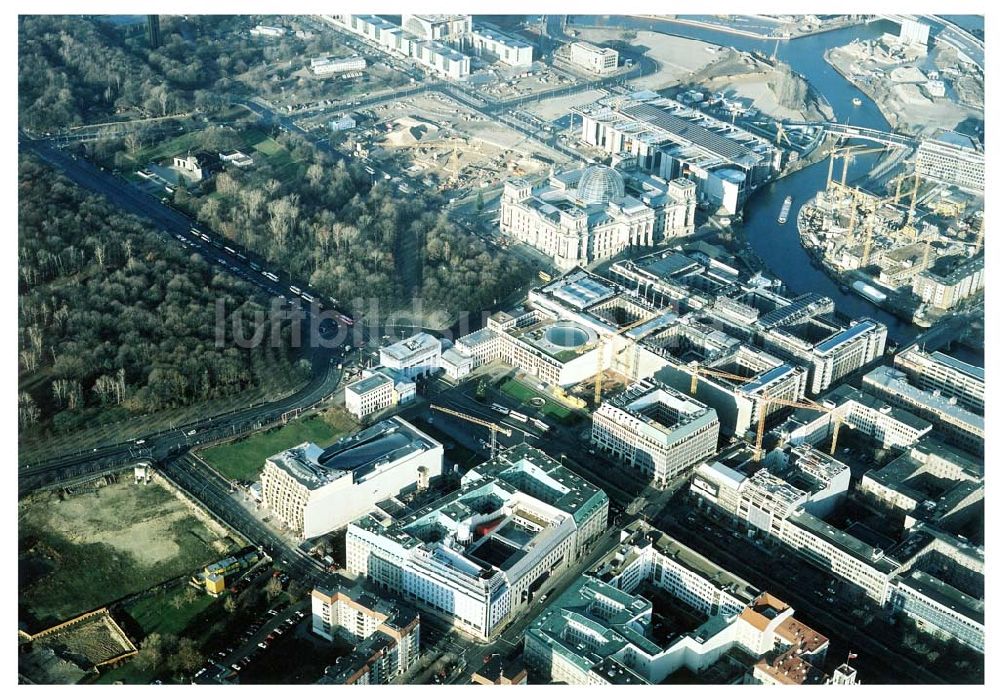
pixel 74 70
pixel 115 320
pixel 352 240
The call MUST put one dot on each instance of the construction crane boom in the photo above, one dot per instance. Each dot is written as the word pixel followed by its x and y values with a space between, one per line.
pixel 599 377
pixel 697 371
pixel 491 426
pixel 758 453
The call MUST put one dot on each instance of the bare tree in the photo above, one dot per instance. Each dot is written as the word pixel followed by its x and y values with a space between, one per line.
pixel 27 412
pixel 273 588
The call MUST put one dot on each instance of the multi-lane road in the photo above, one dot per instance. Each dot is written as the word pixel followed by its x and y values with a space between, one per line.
pixel 326 360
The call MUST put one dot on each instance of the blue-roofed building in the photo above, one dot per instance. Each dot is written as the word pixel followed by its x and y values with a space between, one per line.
pixel 313 491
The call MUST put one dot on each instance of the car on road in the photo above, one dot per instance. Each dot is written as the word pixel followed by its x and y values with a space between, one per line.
pixel 262 645
pixel 190 434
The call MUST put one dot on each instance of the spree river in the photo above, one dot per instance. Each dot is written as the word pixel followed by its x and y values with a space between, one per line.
pixel 778 245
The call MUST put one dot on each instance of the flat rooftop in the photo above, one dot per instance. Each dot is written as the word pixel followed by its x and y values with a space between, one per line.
pixel 369 383
pixel 382 443
pixel 406 349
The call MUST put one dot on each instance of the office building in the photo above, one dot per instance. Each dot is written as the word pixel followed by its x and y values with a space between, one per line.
pixel 828 351
pixel 335 66
pixel 951 422
pixel 953 159
pixel 950 281
pixel 595 59
pixel 556 335
pixel 930 483
pixel 412 357
pixel 596 634
pixel 478 556
pixel 655 429
pixel 646 554
pixel 270 32
pixel 672 140
pixel 314 491
pixel 489 42
pixel 937 371
pixel 890 427
pixel 385 634
pixel 940 609
pixel 684 282
pixel 370 394
pixel 774 507
pixel 841 553
pixel 912 32
pixel 447 28
pixel 584 215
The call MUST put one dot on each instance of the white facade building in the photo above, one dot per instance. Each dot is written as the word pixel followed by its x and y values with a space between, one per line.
pixel 315 491
pixel 369 395
pixel 581 216
pixel 489 42
pixel 479 554
pixel 263 30
pixel 672 140
pixel 593 58
pixel 657 430
pixel 334 66
pixel 415 356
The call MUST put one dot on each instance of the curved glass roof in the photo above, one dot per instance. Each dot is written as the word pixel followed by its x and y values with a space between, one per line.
pixel 600 184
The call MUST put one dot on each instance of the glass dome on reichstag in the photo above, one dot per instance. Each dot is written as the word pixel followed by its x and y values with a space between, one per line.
pixel 599 184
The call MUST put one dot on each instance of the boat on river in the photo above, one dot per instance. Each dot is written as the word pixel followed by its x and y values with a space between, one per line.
pixel 785 208
pixel 856 101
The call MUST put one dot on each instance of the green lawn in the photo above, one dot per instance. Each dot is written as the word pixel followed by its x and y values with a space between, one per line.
pixel 168 148
pixel 524 393
pixel 157 613
pixel 244 459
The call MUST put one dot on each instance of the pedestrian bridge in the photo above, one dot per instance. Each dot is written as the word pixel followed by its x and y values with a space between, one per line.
pixel 857 132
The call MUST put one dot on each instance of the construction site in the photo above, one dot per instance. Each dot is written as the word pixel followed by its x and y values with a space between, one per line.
pixel 69 652
pixel 83 548
pixel 881 245
pixel 436 141
pixel 917 88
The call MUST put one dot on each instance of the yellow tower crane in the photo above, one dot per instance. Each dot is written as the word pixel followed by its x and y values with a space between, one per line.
pixel 869 224
pixel 846 154
pixel 781 134
pixel 697 371
pixel 491 426
pixel 601 343
pixel 765 402
pixel 758 453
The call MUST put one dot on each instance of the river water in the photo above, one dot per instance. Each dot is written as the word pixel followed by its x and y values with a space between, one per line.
pixel 778 245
